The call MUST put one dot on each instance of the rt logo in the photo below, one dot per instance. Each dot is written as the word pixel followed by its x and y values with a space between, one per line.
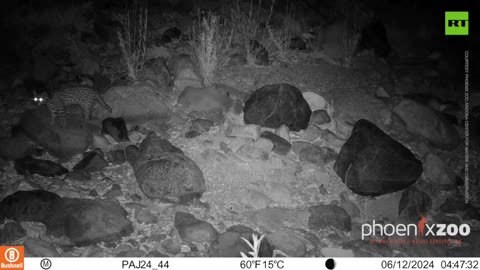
pixel 456 23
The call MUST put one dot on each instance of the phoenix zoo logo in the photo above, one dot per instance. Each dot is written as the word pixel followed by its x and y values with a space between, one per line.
pixel 419 233
pixel 456 23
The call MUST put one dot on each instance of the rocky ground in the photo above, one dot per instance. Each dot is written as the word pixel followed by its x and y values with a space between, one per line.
pixel 308 188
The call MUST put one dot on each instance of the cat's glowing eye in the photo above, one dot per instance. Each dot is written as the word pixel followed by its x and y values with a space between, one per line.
pixel 40 99
pixel 35 99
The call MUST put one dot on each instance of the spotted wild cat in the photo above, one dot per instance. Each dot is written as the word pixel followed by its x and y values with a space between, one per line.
pixel 84 96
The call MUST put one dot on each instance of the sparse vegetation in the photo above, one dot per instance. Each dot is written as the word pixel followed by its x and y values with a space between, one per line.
pixel 255 247
pixel 248 27
pixel 284 35
pixel 211 39
pixel 133 37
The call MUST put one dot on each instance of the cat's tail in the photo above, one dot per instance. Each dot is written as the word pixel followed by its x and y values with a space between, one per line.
pixel 104 104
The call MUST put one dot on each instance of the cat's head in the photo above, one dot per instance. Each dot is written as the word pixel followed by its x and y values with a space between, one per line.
pixel 40 98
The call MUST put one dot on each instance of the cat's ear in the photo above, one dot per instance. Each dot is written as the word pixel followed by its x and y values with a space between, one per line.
pixel 35 93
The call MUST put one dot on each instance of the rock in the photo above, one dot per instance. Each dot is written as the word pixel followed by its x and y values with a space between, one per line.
pixel 169 35
pixel 143 216
pixel 131 253
pixel 230 243
pixel 155 72
pixel 33 205
pixel 171 246
pixel 424 121
pixel 260 149
pixel 333 252
pixel 297 43
pixel 116 128
pixel 439 173
pixel 374 37
pixel 60 142
pixel 255 199
pixel 11 232
pixel 102 143
pixel 299 146
pixel 320 117
pixel 332 140
pixel 39 248
pixel 279 218
pixel 116 156
pixel 453 205
pixel 283 132
pixel 317 155
pixel 88 222
pixel 13 148
pixel 279 193
pixel 79 175
pixel 136 101
pixel 204 99
pixel 315 101
pixel 371 163
pixel 280 145
pixel 237 60
pixel 277 104
pixel 131 154
pixel 164 172
pixel 191 229
pixel 247 131
pixel 184 73
pixel 363 248
pixel 201 125
pixel 30 166
pixel 260 53
pixel 192 134
pixel 382 93
pixel 114 192
pixel 349 206
pixel 384 207
pixel 323 216
pixel 288 243
pixel 92 162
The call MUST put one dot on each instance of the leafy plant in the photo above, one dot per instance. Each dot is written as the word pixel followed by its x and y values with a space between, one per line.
pixel 255 246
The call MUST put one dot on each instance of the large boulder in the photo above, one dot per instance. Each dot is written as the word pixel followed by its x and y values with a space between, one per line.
pixel 184 73
pixel 62 142
pixel 88 222
pixel 372 163
pixel 277 104
pixel 138 101
pixel 426 122
pixel 12 148
pixel 34 205
pixel 164 172
pixel 204 99
pixel 84 221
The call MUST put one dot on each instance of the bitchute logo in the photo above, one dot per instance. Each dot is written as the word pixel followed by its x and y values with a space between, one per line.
pixel 421 229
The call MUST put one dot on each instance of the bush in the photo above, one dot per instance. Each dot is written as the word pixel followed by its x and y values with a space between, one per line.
pixel 211 39
pixel 284 35
pixel 133 37
pixel 249 27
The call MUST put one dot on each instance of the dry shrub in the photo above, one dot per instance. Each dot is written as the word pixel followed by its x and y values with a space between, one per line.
pixel 210 39
pixel 133 38
pixel 250 25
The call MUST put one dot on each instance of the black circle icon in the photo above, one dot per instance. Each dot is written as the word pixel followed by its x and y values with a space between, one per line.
pixel 45 264
pixel 330 264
